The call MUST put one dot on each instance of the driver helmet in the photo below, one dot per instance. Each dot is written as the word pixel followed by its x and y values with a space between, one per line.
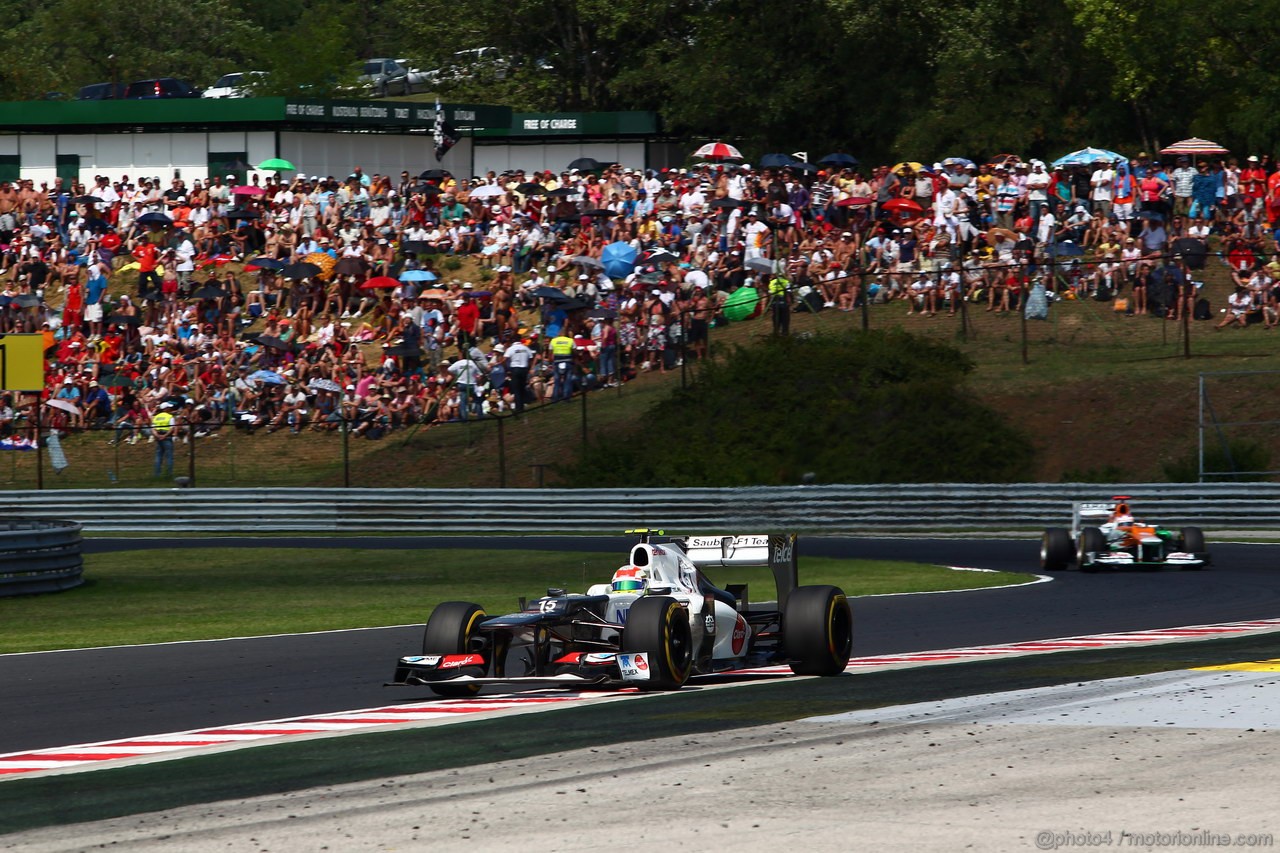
pixel 630 579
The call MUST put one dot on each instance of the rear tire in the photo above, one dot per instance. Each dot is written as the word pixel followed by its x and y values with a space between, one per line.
pixel 1056 552
pixel 659 626
pixel 817 630
pixel 1091 539
pixel 451 630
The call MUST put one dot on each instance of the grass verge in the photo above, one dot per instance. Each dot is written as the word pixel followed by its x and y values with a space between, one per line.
pixel 164 595
pixel 31 803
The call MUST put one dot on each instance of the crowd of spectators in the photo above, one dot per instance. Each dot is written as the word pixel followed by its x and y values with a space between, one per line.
pixel 226 324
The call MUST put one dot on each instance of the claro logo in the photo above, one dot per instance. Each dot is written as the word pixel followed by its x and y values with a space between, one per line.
pixel 455 661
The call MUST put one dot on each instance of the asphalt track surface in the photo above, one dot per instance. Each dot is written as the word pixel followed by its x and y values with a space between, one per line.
pixel 58 698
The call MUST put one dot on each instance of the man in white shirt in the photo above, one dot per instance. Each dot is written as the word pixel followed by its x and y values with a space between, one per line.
pixel 519 360
pixel 1102 183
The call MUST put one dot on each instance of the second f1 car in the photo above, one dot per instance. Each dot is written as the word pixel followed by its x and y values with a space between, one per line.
pixel 1107 534
pixel 658 622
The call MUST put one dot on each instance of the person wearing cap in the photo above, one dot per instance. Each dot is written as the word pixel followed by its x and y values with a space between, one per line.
pixel 1182 179
pixel 163 424
pixel 1253 186
pixel 561 348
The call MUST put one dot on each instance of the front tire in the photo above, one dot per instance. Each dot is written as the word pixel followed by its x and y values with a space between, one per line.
pixel 451 630
pixel 1055 549
pixel 659 626
pixel 1091 540
pixel 817 630
pixel 1191 540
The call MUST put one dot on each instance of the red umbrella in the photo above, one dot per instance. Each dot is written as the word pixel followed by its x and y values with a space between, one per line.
pixel 718 151
pixel 902 205
pixel 380 282
pixel 1193 146
pixel 247 190
pixel 854 202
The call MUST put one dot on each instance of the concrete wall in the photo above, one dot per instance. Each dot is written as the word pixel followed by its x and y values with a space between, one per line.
pixel 336 154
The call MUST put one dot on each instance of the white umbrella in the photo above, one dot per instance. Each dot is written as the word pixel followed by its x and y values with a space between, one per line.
pixel 487 191
pixel 718 151
pixel 69 408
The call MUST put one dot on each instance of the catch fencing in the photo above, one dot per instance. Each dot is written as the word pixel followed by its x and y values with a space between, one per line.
pixel 817 509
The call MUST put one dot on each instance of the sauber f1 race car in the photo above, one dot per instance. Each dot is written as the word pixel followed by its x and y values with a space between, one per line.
pixel 658 622
pixel 1107 534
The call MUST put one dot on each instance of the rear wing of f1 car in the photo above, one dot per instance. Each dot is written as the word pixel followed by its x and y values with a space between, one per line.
pixel 776 550
pixel 1089 514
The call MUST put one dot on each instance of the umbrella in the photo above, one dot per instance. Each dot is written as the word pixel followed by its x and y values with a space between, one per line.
pixel 601 212
pixel 1069 249
pixel 545 292
pixel 718 151
pixel 726 203
pixel 125 319
pixel 854 201
pixel 242 214
pixel 99 226
pixel 302 269
pixel 587 164
pixel 248 190
pixel 1193 146
pixel 572 305
pixel 417 275
pixel 433 293
pixel 602 314
pixel 64 405
pixel 561 192
pixel 266 264
pixel 435 175
pixel 776 161
pixel 273 342
pixel 86 199
pixel 270 377
pixel 153 219
pixel 324 385
pixel 325 261
pixel 1087 157
pixel 379 282
pixel 418 247
pixel 619 259
pixel 901 205
pixel 764 265
pixel 911 164
pixel 487 191
pixel 349 266
pixel 802 166
pixel 587 261
pixel 218 261
pixel 651 278
pixel 275 164
pixel 840 160
pixel 742 303
pixel 209 291
pixel 1153 215
pixel 26 300
pixel 957 161
pixel 402 350
pixel 427 189
pixel 530 188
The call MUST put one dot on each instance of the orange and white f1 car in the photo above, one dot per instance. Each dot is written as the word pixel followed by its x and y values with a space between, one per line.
pixel 1107 534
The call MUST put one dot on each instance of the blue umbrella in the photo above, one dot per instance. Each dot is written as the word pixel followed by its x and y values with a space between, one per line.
pixel 268 263
pixel 270 377
pixel 776 161
pixel 957 161
pixel 839 160
pixel 619 260
pixel 1087 157
pixel 417 275
pixel 1068 249
pixel 154 219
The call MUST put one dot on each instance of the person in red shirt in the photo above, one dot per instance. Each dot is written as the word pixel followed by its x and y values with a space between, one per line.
pixel 1253 186
pixel 148 259
pixel 468 317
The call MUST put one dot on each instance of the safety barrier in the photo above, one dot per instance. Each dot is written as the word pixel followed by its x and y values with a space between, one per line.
pixel 39 555
pixel 847 510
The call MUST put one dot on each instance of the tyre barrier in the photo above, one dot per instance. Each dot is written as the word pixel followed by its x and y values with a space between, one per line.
pixel 39 555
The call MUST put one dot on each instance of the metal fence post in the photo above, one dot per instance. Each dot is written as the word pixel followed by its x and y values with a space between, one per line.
pixel 39 453
pixel 502 452
pixel 191 456
pixel 346 453
pixel 584 419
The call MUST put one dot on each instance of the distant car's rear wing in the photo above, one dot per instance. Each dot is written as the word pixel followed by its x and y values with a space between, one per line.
pixel 1092 514
pixel 777 551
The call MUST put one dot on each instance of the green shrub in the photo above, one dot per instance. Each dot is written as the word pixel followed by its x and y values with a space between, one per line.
pixel 1239 454
pixel 878 407
pixel 452 263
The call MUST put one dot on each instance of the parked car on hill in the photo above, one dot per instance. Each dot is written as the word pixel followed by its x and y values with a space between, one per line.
pixel 101 92
pixel 160 87
pixel 237 84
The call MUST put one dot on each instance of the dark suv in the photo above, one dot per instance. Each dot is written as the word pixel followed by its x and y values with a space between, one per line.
pixel 160 87
pixel 101 92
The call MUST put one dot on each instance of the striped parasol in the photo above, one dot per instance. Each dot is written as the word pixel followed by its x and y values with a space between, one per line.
pixel 325 261
pixel 1193 146
pixel 718 151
